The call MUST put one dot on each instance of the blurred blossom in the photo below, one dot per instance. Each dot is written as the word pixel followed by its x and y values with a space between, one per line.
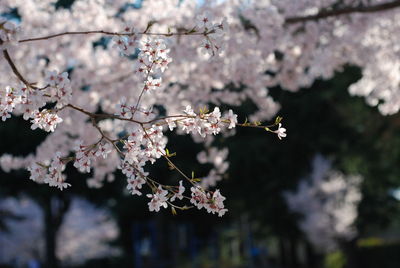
pixel 328 201
pixel 395 193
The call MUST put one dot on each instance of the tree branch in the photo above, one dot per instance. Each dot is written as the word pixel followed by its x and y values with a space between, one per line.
pixel 109 33
pixel 14 69
pixel 344 11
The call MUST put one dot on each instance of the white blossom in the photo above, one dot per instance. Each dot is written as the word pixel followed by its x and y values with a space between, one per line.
pixel 281 132
pixel 158 199
pixel 45 120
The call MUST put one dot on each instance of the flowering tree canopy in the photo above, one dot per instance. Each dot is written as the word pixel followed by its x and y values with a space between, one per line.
pixel 107 79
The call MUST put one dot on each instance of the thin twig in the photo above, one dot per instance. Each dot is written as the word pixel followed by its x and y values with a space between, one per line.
pixel 143 89
pixel 344 11
pixel 105 33
pixel 167 158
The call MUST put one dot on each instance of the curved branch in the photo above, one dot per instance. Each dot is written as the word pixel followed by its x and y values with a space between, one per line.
pixel 344 11
pixel 14 69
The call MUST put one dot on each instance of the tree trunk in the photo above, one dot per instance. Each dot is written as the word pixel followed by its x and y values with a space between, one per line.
pixel 311 258
pixel 54 209
pixel 350 251
pixel 282 252
pixel 294 260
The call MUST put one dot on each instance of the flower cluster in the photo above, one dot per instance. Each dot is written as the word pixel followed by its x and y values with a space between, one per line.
pixel 8 33
pixel 203 123
pixel 85 155
pixel 218 160
pixel 158 199
pixel 124 110
pixel 212 202
pixel 144 145
pixel 20 100
pixel 127 41
pixel 27 101
pixel 153 57
pixel 213 42
pixel 52 174
pixel 134 183
pixel 59 87
pixel 8 100
pixel 151 84
pixel 38 172
pixel 141 146
pixel 45 120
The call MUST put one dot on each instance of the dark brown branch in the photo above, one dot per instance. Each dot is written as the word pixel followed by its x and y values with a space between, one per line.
pixel 106 33
pixel 69 33
pixel 344 11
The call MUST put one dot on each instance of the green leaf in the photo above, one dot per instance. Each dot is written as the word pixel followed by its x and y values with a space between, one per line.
pixel 173 211
pixel 278 120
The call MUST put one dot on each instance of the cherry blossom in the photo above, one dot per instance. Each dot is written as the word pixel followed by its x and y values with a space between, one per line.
pixel 179 193
pixel 204 21
pixel 212 203
pixel 37 172
pixel 232 118
pixel 45 120
pixel 152 84
pixel 127 42
pixel 55 177
pixel 59 87
pixel 84 157
pixel 103 150
pixel 281 132
pixel 158 199
pixel 134 184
